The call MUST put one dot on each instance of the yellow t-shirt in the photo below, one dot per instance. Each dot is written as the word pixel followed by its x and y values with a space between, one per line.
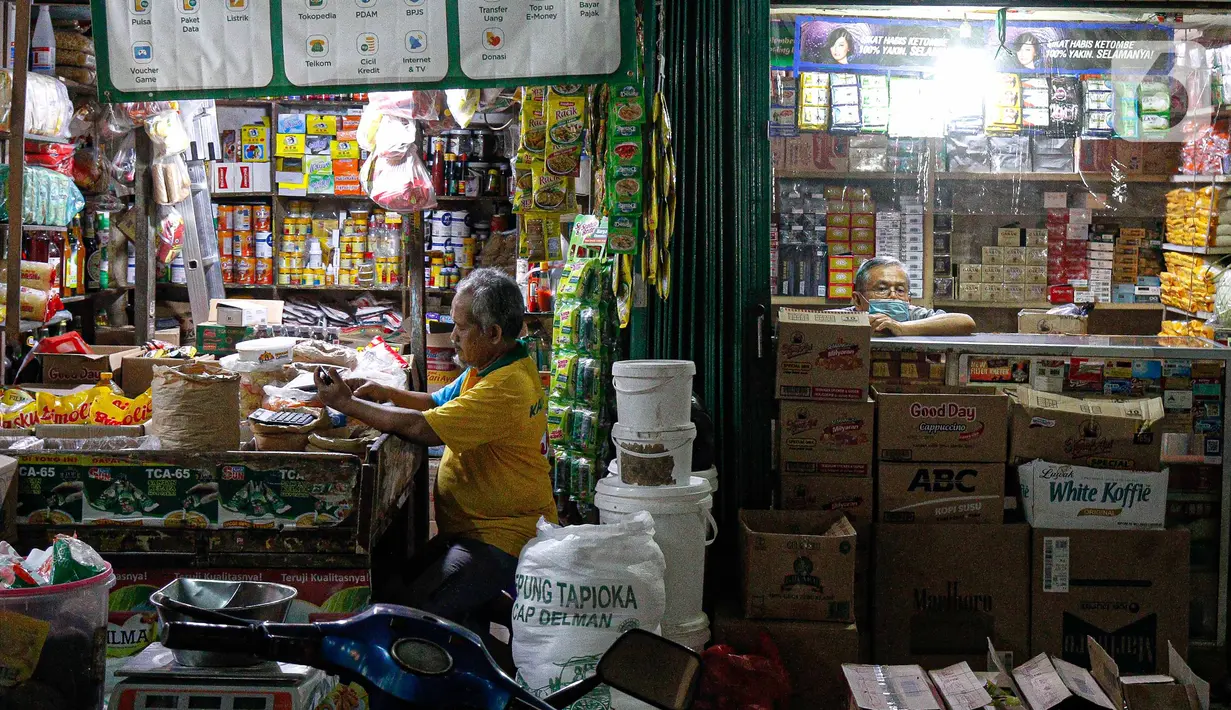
pixel 494 480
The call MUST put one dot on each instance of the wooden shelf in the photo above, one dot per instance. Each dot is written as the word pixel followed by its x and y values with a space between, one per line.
pixel 1200 179
pixel 93 295
pixel 1199 315
pixel 1184 249
pixel 808 301
pixel 36 227
pixel 996 177
pixel 240 195
pixel 1053 177
pixel 993 304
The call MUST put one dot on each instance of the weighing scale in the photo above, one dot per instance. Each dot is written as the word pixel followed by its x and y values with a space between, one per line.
pixel 152 680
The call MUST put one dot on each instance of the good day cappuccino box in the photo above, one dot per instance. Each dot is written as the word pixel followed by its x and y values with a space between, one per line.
pixel 941 424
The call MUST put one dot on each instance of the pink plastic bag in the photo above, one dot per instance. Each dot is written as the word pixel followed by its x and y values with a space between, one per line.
pixel 401 187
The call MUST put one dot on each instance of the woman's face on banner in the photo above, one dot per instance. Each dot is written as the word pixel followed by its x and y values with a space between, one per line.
pixel 1026 54
pixel 841 49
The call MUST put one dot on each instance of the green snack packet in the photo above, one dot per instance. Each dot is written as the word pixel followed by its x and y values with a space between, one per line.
pixel 73 560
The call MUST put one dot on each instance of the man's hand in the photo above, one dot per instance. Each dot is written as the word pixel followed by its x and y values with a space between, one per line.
pixel 334 393
pixel 885 325
pixel 371 391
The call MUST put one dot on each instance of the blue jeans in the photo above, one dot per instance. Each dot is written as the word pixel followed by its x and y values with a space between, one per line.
pixel 456 578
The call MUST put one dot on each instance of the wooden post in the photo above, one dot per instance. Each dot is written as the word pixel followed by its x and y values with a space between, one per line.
pixel 143 289
pixel 17 164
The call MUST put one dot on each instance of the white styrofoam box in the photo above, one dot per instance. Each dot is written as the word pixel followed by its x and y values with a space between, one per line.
pixel 222 177
pixel 1077 232
pixel 1080 215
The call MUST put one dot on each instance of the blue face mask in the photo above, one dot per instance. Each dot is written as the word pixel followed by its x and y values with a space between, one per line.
pixel 897 310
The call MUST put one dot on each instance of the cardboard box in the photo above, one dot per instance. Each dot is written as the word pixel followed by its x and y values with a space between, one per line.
pixel 1128 589
pixel 1095 433
pixel 960 688
pixel 241 314
pixel 823 355
pixel 1180 689
pixel 75 369
pixel 940 424
pixel 219 340
pixel 273 308
pixel 889 688
pixel 852 496
pixel 830 438
pixel 138 372
pixel 1040 321
pixel 940 493
pixel 941 591
pixel 1078 497
pixel 798 565
pixel 812 653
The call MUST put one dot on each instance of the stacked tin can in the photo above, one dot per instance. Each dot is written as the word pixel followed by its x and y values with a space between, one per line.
pixel 353 247
pixel 293 252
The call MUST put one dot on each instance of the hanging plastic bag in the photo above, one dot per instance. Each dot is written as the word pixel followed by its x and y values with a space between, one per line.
pixel 419 105
pixel 141 111
pixel 369 124
pixel 380 363
pixel 401 187
pixel 87 115
pixel 115 122
pixel 123 163
pixel 167 134
pixel 395 139
pixel 463 103
pixel 89 172
pixel 170 234
pixel 171 181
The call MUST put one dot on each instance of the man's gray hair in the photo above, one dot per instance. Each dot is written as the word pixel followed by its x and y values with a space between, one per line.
pixel 495 300
pixel 865 269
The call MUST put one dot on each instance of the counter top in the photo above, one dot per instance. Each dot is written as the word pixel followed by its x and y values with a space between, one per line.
pixel 1028 344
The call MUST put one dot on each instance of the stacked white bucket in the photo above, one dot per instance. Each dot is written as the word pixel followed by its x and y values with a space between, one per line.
pixel 654 403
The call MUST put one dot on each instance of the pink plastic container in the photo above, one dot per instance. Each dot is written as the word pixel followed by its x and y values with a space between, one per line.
pixel 65 628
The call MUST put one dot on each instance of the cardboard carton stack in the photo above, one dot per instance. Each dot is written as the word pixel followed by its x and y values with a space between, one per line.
pixel 1095 492
pixel 799 566
pixel 941 486
pixel 826 421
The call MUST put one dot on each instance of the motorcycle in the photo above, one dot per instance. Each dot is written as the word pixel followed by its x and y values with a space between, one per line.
pixel 407 659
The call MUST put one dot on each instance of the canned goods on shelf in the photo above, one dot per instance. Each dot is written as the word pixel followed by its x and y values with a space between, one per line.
pixel 226 217
pixel 245 271
pixel 261 218
pixel 265 271
pixel 227 263
pixel 244 244
pixel 243 218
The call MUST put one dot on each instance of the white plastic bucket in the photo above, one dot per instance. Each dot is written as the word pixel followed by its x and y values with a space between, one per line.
pixel 710 474
pixel 694 633
pixel 653 394
pixel 683 528
pixel 654 458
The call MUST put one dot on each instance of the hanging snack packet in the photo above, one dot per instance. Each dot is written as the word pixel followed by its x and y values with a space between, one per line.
pixel 566 124
pixel 1155 102
pixel 583 430
pixel 564 376
pixel 534 120
pixel 558 416
pixel 523 185
pixel 532 236
pixel 566 327
pixel 627 106
pixel 626 146
pixel 551 192
pixel 1128 123
pixel 579 282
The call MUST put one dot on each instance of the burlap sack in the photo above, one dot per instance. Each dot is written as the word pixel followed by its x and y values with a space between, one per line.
pixel 196 407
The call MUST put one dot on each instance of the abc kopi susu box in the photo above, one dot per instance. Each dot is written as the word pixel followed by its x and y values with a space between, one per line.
pixel 823 355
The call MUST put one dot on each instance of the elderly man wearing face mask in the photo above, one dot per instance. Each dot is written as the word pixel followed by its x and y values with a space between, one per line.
pixel 882 290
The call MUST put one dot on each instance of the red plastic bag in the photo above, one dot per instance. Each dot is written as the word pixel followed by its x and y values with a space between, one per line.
pixel 731 681
pixel 69 343
pixel 54 156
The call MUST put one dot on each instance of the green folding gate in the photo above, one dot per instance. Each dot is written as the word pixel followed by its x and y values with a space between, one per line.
pixel 716 68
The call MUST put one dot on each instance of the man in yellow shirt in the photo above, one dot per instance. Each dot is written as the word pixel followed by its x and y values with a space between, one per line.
pixel 494 482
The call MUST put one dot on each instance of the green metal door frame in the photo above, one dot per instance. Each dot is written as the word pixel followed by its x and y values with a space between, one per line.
pixel 716 63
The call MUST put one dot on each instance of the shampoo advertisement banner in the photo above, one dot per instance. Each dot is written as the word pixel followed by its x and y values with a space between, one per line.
pixel 871 44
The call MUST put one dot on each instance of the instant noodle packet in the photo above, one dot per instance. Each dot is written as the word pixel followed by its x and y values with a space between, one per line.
pixel 566 126
pixel 534 120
